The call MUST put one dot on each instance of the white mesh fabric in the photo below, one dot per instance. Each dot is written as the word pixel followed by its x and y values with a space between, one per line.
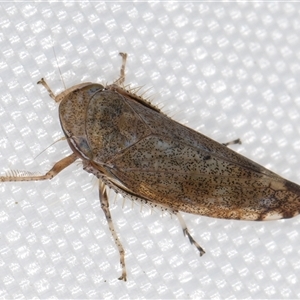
pixel 226 69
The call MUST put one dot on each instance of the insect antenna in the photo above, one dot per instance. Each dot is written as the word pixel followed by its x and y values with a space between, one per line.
pixel 57 64
pixel 60 139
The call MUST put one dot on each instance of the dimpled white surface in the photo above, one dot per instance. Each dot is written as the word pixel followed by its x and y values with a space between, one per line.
pixel 226 69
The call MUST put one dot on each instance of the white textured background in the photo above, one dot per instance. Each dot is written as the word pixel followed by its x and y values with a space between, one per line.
pixel 228 70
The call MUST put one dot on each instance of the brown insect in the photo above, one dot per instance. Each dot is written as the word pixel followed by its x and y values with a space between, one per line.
pixel 135 149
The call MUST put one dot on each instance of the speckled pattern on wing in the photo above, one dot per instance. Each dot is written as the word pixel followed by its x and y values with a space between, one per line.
pixel 169 164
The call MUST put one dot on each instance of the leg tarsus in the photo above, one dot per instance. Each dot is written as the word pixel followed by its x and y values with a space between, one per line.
pixel 105 207
pixel 187 233
pixel 234 142
pixel 121 79
pixel 193 242
pixel 46 86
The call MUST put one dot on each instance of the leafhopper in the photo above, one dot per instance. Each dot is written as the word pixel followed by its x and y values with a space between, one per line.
pixel 141 153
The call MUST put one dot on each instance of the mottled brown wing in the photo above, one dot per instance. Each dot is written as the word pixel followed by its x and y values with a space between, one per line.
pixel 175 166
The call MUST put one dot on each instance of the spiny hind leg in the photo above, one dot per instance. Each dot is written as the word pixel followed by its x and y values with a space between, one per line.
pixel 105 207
pixel 58 167
pixel 186 232
pixel 121 79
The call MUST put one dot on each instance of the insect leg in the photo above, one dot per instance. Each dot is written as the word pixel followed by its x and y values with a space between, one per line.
pixel 186 232
pixel 121 79
pixel 234 142
pixel 58 167
pixel 46 86
pixel 105 207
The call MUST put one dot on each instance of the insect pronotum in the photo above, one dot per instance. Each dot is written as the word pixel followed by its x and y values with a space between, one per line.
pixel 135 149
